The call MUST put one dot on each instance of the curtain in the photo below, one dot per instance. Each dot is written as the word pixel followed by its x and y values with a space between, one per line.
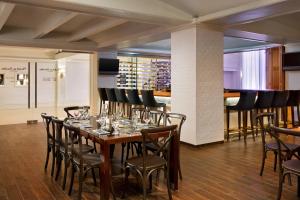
pixel 253 72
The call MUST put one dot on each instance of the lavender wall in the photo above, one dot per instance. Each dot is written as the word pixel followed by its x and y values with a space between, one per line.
pixel 232 70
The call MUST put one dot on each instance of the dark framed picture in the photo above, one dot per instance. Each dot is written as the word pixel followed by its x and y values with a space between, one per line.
pixel 2 79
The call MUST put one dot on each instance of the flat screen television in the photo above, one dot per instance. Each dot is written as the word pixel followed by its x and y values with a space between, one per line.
pixel 291 61
pixel 108 66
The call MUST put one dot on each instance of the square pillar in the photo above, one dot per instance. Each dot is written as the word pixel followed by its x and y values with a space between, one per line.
pixel 197 83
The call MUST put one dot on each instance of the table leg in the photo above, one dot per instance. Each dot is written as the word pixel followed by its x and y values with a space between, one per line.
pixel 105 175
pixel 174 162
pixel 298 186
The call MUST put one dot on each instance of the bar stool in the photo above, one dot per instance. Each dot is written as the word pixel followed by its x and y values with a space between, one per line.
pixel 135 101
pixel 112 99
pixel 121 99
pixel 264 101
pixel 246 103
pixel 293 101
pixel 279 102
pixel 103 98
pixel 150 102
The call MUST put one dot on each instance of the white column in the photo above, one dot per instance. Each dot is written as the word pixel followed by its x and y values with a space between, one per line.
pixel 94 95
pixel 197 83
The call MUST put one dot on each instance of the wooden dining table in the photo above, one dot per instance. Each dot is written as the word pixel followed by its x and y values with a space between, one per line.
pixel 106 140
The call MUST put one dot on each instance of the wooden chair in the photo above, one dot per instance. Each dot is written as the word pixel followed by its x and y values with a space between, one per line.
pixel 287 164
pixel 47 119
pixel 147 164
pixel 269 145
pixel 80 160
pixel 74 108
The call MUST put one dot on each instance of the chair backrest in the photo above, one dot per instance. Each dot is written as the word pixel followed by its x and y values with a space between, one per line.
pixel 73 133
pixel 176 119
pixel 247 100
pixel 148 98
pixel 133 97
pixel 102 94
pixel 264 99
pixel 280 99
pixel 285 152
pixel 57 126
pixel 260 118
pixel 121 95
pixel 47 123
pixel 69 109
pixel 162 146
pixel 111 95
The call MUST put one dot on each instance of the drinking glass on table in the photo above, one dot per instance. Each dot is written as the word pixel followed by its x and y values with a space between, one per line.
pixel 147 117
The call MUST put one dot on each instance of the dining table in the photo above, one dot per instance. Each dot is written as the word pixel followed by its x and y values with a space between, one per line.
pixel 90 129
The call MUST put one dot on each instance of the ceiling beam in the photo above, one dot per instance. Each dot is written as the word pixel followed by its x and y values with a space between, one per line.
pixel 144 11
pixel 267 9
pixel 5 11
pixel 95 28
pixel 57 19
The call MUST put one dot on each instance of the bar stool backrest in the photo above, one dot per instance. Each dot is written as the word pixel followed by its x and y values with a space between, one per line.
pixel 111 95
pixel 121 95
pixel 280 99
pixel 148 98
pixel 293 99
pixel 247 100
pixel 264 99
pixel 102 94
pixel 133 97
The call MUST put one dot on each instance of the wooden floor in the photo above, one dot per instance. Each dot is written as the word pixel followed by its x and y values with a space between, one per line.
pixel 222 171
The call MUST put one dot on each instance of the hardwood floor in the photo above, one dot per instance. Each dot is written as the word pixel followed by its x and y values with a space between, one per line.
pixel 221 171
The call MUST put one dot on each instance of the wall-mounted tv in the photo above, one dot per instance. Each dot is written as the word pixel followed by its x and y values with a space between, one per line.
pixel 108 66
pixel 291 61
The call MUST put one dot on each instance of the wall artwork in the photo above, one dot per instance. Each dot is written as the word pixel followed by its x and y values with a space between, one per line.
pixel 21 79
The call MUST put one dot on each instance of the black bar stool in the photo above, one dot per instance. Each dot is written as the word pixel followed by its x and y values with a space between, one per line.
pixel 293 101
pixel 264 101
pixel 135 101
pixel 279 102
pixel 150 102
pixel 246 103
pixel 121 99
pixel 111 96
pixel 103 98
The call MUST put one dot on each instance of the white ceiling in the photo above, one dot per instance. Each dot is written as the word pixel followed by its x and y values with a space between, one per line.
pixel 114 24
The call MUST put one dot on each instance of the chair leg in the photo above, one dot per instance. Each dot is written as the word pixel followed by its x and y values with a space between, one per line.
pixel 66 165
pixel 280 186
pixel 293 116
pixel 251 124
pixel 72 180
pixel 227 123
pixel 275 160
pixel 298 114
pixel 263 163
pixel 95 148
pixel 126 174
pixel 47 157
pixel 59 159
pixel 80 183
pixel 94 177
pixel 245 123
pixel 53 161
pixel 168 183
pixel 144 187
pixel 239 124
pixel 179 170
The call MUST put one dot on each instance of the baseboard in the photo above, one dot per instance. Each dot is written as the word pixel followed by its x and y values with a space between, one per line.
pixel 202 145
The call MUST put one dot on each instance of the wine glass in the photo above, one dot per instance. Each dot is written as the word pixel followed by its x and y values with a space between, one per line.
pixel 147 117
pixel 76 113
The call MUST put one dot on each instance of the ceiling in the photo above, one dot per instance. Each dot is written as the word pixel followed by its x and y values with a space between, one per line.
pixel 113 25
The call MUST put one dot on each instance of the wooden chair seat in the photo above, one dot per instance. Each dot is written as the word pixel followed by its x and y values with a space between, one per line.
pixel 151 162
pixel 274 146
pixel 91 160
pixel 85 148
pixel 292 165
